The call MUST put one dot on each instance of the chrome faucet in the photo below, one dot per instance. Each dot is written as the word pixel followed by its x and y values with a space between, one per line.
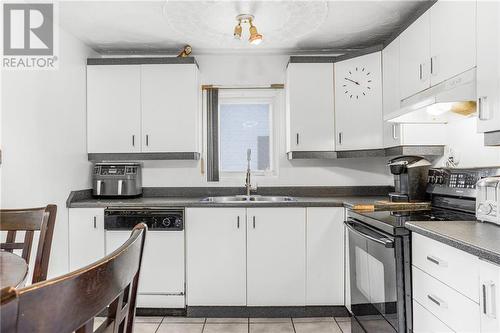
pixel 248 181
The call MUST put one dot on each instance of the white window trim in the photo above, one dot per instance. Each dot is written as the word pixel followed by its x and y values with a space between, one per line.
pixel 255 96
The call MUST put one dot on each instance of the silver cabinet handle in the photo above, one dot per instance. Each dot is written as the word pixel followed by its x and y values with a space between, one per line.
pixel 340 138
pixel 420 71
pixel 238 222
pixel 297 139
pixel 133 140
pixel 433 65
pixel 482 107
pixel 95 222
pixel 484 299
pixel 99 185
pixel 120 186
pixel 435 300
pixel 394 135
pixel 147 139
pixel 436 261
pixel 253 222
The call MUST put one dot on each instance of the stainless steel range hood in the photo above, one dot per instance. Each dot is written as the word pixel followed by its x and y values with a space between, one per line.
pixel 444 102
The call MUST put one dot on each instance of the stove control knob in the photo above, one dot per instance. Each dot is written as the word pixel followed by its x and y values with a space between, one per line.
pixel 166 223
pixel 178 223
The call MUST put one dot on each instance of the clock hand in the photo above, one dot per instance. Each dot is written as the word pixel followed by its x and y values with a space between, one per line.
pixel 352 81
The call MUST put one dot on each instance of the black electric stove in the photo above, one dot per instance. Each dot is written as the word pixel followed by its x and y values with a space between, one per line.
pixel 380 250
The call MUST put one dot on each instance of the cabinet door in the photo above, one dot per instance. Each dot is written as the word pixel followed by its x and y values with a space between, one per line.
pixel 488 66
pixel 414 68
pixel 170 108
pixel 86 236
pixel 489 276
pixel 390 92
pixel 310 107
pixel 453 39
pixel 325 256
pixel 276 261
pixel 113 109
pixel 358 103
pixel 216 256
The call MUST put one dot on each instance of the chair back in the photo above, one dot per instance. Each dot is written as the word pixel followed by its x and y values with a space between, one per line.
pixel 71 302
pixel 30 220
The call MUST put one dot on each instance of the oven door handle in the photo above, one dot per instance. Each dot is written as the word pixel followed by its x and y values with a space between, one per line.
pixel 383 240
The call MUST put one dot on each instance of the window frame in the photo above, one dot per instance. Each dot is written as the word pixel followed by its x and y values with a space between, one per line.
pixel 252 96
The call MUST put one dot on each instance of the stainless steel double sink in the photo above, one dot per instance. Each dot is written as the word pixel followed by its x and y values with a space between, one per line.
pixel 248 199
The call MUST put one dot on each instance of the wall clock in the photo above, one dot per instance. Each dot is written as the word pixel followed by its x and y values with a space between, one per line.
pixel 357 82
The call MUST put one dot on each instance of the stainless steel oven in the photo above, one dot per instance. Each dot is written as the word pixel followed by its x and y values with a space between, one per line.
pixel 378 281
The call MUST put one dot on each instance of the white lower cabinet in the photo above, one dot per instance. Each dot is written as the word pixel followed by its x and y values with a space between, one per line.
pixel 276 257
pixel 458 312
pixel 325 256
pixel 216 256
pixel 426 322
pixel 490 296
pixel 86 236
pixel 264 256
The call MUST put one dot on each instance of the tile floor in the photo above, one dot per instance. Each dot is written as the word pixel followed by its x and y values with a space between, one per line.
pixel 241 325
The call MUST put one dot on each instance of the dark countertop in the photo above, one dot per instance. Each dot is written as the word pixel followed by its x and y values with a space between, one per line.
pixel 340 201
pixel 477 238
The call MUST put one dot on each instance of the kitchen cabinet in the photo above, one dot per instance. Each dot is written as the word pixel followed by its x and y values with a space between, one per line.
pixel 216 256
pixel 358 103
pixel 437 46
pixel 488 66
pixel 390 92
pixel 86 236
pixel 414 69
pixel 489 282
pixel 170 108
pixel 325 255
pixel 310 107
pixel 276 258
pixel 143 108
pixel 113 109
pixel 452 39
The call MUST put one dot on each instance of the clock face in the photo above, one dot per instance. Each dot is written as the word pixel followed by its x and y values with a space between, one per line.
pixel 357 83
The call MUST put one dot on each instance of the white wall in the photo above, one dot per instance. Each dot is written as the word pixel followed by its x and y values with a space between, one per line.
pixel 252 70
pixel 43 135
pixel 468 145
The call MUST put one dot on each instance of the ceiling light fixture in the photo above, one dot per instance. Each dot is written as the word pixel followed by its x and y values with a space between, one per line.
pixel 255 38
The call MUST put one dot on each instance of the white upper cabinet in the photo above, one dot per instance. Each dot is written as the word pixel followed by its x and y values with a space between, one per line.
pixel 488 65
pixel 358 103
pixel 390 92
pixel 414 58
pixel 170 109
pixel 143 108
pixel 437 46
pixel 276 256
pixel 453 39
pixel 113 109
pixel 310 107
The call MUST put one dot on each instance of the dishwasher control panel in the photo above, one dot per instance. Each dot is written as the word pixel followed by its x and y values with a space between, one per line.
pixel 155 219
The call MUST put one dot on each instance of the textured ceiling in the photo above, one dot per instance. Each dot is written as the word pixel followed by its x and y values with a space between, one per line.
pixel 148 27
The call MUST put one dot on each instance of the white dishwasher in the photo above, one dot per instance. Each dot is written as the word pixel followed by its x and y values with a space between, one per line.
pixel 162 278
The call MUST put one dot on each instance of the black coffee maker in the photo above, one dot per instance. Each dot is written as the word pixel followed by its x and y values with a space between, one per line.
pixel 410 178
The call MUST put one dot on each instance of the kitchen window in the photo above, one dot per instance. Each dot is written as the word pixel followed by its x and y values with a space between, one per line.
pixel 245 121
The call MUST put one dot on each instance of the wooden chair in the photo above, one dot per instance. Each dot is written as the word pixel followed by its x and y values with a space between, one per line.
pixel 70 302
pixel 30 220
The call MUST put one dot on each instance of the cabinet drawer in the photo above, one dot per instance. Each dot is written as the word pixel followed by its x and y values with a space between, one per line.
pixel 451 266
pixel 455 310
pixel 424 321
